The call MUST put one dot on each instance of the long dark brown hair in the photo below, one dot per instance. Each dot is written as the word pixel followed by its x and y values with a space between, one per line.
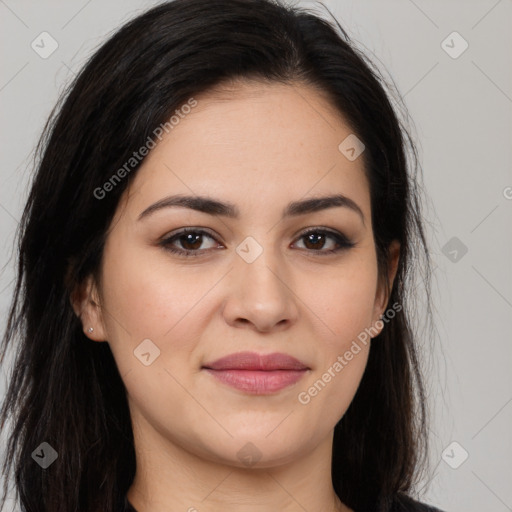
pixel 66 390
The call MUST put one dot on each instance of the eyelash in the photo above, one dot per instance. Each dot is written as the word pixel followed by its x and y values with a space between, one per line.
pixel 343 242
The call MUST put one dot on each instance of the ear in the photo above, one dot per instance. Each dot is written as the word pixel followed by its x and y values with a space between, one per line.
pixel 85 301
pixel 384 287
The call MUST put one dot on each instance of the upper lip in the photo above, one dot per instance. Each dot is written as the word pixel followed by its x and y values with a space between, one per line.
pixel 254 361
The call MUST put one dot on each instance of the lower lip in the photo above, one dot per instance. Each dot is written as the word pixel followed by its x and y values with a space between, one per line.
pixel 258 382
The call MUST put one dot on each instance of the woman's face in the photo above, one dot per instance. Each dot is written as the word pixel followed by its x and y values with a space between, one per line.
pixel 264 274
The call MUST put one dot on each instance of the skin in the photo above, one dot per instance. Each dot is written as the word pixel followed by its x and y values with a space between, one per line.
pixel 258 146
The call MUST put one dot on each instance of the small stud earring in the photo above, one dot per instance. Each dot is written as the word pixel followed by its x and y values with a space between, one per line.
pixel 90 329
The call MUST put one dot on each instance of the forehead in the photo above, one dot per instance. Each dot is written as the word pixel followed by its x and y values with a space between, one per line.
pixel 251 142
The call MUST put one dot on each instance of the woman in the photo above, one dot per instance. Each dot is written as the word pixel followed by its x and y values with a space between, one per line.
pixel 214 289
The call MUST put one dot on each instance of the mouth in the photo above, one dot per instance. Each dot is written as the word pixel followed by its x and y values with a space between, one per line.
pixel 256 373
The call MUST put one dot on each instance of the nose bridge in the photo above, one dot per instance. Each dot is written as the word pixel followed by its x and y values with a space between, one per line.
pixel 262 291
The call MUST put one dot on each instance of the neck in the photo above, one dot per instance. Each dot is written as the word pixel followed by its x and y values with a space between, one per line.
pixel 170 478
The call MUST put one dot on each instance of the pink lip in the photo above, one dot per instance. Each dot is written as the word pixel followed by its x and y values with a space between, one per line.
pixel 255 373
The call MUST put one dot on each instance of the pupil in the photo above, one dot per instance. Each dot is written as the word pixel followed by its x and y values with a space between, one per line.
pixel 311 238
pixel 189 240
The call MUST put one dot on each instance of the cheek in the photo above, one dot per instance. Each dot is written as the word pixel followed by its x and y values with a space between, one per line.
pixel 151 300
pixel 344 301
pixel 346 309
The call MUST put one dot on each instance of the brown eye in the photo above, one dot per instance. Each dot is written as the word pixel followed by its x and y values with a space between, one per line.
pixel 316 240
pixel 191 241
pixel 187 242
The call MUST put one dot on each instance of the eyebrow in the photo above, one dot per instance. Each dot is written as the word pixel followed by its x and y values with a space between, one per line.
pixel 225 209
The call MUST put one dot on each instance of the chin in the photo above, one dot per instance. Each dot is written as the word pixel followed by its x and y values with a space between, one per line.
pixel 259 451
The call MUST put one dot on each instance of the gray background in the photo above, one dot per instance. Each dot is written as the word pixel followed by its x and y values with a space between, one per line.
pixel 461 109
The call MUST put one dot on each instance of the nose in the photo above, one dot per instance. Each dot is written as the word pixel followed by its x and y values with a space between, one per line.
pixel 260 295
